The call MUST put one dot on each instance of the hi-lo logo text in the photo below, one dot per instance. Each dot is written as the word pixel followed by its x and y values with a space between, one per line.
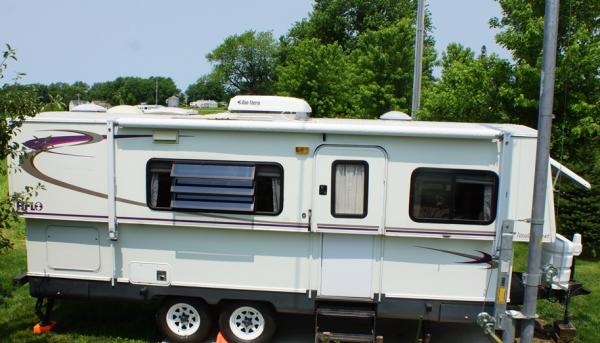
pixel 31 207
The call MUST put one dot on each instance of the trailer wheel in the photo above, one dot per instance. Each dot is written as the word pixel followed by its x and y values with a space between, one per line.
pixel 246 322
pixel 184 320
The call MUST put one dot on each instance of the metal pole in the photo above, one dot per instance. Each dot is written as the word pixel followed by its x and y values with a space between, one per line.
pixel 416 95
pixel 534 256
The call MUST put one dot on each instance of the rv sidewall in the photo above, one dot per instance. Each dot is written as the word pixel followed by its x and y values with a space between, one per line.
pixel 258 313
pixel 198 314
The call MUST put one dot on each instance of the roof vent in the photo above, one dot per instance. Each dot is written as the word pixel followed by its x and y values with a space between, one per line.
pixel 270 104
pixel 125 109
pixel 395 115
pixel 89 107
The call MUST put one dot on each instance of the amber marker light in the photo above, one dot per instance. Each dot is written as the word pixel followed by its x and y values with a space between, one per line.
pixel 302 150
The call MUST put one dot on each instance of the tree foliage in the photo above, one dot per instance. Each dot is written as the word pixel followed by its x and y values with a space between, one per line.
pixel 134 90
pixel 246 62
pixel 344 21
pixel 373 42
pixel 121 91
pixel 207 87
pixel 320 74
pixel 16 104
pixel 576 98
pixel 384 67
pixel 471 88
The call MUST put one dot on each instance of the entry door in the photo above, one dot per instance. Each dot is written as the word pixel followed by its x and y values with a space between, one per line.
pixel 348 208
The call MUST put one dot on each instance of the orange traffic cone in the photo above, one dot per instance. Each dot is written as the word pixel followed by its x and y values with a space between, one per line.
pixel 39 328
pixel 220 338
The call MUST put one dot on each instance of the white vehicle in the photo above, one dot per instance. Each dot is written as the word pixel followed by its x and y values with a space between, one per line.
pixel 263 209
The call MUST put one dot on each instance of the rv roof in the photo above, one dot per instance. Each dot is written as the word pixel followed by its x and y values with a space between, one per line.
pixel 265 122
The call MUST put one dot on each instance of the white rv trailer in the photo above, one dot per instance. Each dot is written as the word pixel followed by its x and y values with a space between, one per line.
pixel 265 209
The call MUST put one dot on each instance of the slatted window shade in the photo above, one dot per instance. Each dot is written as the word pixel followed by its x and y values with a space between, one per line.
pixel 213 186
pixel 209 187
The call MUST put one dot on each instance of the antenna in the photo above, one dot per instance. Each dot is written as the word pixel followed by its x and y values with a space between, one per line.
pixel 416 96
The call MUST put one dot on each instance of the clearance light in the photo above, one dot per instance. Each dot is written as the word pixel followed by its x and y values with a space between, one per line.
pixel 302 150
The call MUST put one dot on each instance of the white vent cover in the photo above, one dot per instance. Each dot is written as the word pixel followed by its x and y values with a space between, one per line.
pixel 125 109
pixel 395 115
pixel 88 108
pixel 269 104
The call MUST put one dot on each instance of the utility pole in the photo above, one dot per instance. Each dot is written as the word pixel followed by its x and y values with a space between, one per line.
pixel 155 92
pixel 416 95
pixel 533 276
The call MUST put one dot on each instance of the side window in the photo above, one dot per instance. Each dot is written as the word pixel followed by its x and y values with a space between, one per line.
pixel 349 194
pixel 453 196
pixel 252 188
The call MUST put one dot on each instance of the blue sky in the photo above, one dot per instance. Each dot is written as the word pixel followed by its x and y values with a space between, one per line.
pixel 91 41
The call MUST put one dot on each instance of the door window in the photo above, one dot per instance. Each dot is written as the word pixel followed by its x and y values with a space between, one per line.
pixel 350 189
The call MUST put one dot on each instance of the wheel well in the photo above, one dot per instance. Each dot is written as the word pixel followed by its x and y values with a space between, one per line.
pixel 268 304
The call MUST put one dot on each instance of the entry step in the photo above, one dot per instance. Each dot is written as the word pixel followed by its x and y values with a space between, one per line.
pixel 346 312
pixel 345 337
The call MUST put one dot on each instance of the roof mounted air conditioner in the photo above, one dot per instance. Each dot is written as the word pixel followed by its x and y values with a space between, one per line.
pixel 255 104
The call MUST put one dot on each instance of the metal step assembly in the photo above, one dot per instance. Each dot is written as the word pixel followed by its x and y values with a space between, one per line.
pixel 346 322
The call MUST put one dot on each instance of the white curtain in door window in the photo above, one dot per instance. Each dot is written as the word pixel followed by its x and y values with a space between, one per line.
pixel 349 189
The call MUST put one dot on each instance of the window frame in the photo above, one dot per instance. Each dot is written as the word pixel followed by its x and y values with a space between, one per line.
pixel 366 189
pixel 215 162
pixel 455 173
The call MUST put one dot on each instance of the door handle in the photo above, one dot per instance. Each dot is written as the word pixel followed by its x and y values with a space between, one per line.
pixel 323 190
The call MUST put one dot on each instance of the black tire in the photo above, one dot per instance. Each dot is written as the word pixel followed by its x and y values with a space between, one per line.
pixel 259 327
pixel 184 320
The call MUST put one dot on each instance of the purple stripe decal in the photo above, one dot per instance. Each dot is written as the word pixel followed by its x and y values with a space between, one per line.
pixel 350 228
pixel 48 144
pixel 438 232
pixel 353 226
pixel 63 215
pixel 296 225
pixel 273 224
pixel 130 136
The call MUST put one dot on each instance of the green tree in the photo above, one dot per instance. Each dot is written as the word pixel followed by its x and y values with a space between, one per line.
pixel 65 91
pixel 378 38
pixel 207 87
pixel 384 68
pixel 56 103
pixel 134 90
pixel 343 21
pixel 102 91
pixel 320 74
pixel 576 98
pixel 246 63
pixel 471 89
pixel 16 104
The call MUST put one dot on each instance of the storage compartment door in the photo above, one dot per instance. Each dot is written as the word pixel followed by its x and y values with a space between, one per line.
pixel 72 248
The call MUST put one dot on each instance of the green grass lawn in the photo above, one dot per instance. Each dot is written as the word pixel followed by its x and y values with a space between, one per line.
pixel 112 321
